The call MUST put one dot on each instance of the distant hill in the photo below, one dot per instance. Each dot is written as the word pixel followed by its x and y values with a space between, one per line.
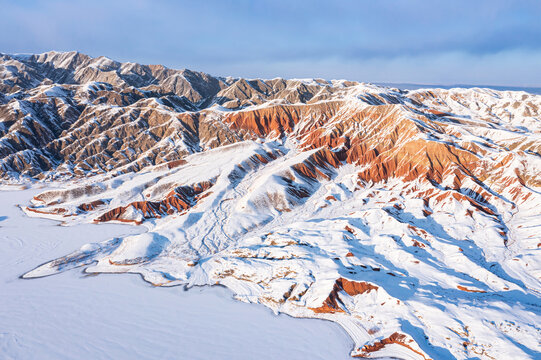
pixel 407 86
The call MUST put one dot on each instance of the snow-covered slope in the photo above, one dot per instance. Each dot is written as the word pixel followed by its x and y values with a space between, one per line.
pixel 76 316
pixel 411 218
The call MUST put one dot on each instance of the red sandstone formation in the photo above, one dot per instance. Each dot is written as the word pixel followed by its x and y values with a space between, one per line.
pixel 395 338
pixel 277 120
pixel 352 288
pixel 175 163
pixel 91 206
pixel 54 211
pixel 178 200
pixel 460 287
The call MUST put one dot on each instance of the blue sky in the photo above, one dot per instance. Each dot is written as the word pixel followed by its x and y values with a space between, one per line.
pixel 494 42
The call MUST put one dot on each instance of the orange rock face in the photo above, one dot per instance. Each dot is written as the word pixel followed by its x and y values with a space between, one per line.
pixel 55 211
pixel 317 165
pixel 397 155
pixel 384 142
pixel 352 288
pixel 91 206
pixel 277 120
pixel 463 288
pixel 395 338
pixel 175 163
pixel 180 199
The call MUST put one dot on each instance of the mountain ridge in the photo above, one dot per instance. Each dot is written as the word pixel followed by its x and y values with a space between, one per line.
pixel 413 86
pixel 408 217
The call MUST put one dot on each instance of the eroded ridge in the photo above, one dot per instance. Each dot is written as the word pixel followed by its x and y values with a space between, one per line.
pixel 411 218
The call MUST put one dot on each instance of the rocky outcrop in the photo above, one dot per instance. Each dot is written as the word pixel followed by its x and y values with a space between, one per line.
pixel 333 302
pixel 394 338
pixel 178 200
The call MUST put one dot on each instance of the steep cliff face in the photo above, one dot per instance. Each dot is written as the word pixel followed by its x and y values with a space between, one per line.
pixel 411 218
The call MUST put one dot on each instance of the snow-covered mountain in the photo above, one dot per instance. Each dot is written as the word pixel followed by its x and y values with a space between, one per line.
pixel 411 218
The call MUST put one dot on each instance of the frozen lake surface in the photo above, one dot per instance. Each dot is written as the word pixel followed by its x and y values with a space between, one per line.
pixel 74 316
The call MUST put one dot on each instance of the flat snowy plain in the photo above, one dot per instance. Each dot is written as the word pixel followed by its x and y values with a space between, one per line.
pixel 75 316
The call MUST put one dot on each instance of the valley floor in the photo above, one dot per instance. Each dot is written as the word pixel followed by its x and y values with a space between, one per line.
pixel 74 316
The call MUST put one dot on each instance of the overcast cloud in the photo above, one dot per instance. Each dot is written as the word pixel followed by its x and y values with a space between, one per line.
pixel 494 42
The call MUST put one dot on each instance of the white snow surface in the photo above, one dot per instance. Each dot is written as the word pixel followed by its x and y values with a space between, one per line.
pixel 448 281
pixel 458 276
pixel 77 316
